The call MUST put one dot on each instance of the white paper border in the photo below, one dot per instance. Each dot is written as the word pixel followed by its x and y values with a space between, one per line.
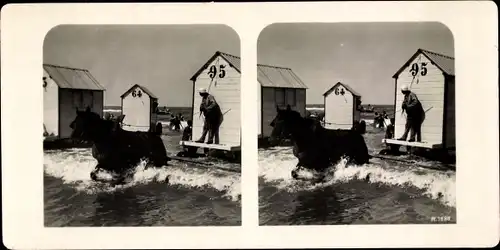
pixel 474 27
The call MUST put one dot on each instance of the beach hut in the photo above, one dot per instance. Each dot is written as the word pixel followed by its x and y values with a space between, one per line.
pixel 431 76
pixel 66 89
pixel 139 107
pixel 278 86
pixel 341 106
pixel 221 74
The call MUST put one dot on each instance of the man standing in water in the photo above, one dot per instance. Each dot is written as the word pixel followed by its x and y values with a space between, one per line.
pixel 415 115
pixel 213 117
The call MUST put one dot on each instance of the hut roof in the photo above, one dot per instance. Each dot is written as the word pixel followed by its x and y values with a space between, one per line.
pixel 72 78
pixel 278 77
pixel 443 62
pixel 267 75
pixel 143 89
pixel 345 86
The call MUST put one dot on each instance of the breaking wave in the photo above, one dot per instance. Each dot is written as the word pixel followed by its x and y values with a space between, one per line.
pixel 276 164
pixel 73 167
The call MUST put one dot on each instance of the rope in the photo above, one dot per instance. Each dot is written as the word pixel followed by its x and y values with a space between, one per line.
pixel 203 164
pixel 215 75
pixel 330 123
pixel 425 111
pixel 201 113
pixel 124 124
pixel 416 75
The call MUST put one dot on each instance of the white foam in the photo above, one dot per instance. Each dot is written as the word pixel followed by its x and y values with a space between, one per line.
pixel 276 164
pixel 74 166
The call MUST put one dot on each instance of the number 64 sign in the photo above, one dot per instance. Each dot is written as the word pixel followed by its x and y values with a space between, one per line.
pixel 136 94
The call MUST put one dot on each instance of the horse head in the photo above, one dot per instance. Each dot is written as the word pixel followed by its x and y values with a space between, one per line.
pixel 283 124
pixel 85 125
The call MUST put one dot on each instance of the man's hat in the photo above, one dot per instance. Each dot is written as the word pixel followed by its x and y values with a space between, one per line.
pixel 405 88
pixel 202 91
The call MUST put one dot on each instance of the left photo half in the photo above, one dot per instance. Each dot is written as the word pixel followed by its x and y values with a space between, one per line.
pixel 141 125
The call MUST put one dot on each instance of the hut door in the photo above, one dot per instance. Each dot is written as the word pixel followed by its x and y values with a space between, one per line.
pixel 280 97
pixel 77 96
pixel 88 100
pixel 291 98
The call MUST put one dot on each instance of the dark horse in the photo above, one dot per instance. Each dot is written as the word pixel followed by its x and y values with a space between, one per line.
pixel 317 148
pixel 115 149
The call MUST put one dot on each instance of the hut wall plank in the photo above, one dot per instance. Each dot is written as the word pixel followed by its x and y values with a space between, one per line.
pixel 51 106
pixel 259 109
pixel 98 102
pixel 450 114
pixel 301 101
pixel 268 110
pixel 357 113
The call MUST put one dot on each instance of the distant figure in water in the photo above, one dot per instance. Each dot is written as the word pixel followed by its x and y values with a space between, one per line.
pixel 369 108
pixel 187 135
pixel 415 115
pixel 384 115
pixel 381 120
pixel 175 123
pixel 359 126
pixel 376 119
pixel 159 128
pixel 389 134
pixel 188 131
pixel 180 117
pixel 389 131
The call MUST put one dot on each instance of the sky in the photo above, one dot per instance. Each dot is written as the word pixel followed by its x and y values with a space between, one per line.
pixel 161 57
pixel 363 55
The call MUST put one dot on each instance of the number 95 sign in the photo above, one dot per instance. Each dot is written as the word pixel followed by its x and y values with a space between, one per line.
pixel 416 68
pixel 214 71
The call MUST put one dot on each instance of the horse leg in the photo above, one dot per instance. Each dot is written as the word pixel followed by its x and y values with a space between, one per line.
pixel 359 153
pixel 301 156
pixel 121 172
pixel 159 155
pixel 93 173
pixel 118 181
pixel 294 171
pixel 321 175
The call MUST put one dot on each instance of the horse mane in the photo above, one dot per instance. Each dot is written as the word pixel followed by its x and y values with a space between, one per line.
pixel 306 126
pixel 307 121
pixel 104 127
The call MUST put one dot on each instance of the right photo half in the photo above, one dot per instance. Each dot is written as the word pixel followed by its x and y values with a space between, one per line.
pixel 356 123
